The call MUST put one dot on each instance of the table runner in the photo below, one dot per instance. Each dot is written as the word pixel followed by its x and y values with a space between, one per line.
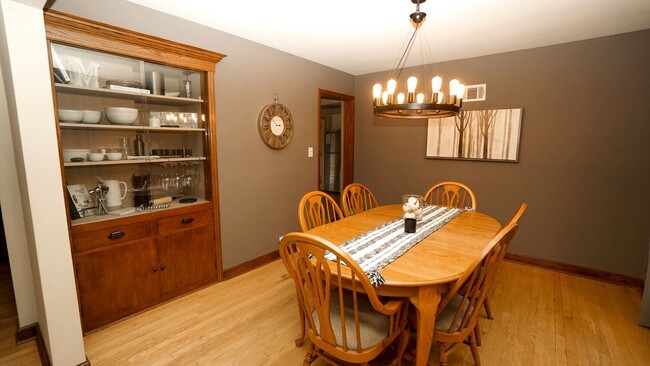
pixel 382 245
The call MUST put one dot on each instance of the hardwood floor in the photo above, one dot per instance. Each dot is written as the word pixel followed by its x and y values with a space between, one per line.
pixel 542 317
pixel 10 354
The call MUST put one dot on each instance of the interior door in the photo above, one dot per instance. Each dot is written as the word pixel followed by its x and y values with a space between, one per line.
pixel 336 141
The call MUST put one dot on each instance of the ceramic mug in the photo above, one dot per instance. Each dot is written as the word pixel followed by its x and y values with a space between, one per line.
pixel 154 122
pixel 114 197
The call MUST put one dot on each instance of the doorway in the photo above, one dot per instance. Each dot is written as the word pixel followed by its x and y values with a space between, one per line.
pixel 335 142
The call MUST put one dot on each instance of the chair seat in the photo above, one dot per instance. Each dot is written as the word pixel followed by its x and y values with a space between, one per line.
pixel 444 319
pixel 373 325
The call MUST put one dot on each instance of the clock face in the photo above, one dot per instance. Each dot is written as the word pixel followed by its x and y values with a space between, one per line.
pixel 275 125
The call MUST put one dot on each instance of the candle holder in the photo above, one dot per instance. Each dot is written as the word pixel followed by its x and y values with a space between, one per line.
pixel 412 204
pixel 410 225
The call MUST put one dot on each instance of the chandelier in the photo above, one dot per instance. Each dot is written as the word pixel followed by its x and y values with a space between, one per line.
pixel 420 105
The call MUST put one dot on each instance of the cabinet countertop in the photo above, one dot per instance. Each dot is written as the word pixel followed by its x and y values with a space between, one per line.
pixel 107 219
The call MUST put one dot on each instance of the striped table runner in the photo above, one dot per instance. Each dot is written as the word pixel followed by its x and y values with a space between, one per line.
pixel 380 246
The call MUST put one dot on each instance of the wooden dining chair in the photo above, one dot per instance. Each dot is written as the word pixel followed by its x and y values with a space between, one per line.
pixel 317 208
pixel 513 220
pixel 357 198
pixel 346 320
pixel 451 194
pixel 520 212
pixel 457 314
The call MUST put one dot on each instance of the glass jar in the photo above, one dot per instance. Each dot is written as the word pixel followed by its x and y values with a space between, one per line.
pixel 125 147
pixel 413 206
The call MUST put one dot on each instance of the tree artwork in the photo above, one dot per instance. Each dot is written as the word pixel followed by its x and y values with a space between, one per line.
pixel 461 122
pixel 486 120
pixel 487 134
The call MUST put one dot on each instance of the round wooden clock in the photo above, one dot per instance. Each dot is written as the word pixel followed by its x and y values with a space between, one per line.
pixel 275 125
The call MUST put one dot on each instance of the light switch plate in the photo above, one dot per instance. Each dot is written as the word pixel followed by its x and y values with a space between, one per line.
pixel 310 152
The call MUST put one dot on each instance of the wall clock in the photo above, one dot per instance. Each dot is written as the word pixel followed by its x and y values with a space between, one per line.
pixel 275 125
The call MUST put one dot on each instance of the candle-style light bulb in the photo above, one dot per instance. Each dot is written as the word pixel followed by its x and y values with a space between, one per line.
pixel 384 97
pixel 376 91
pixel 460 91
pixel 400 98
pixel 453 91
pixel 390 86
pixel 440 97
pixel 436 84
pixel 411 83
pixel 420 98
pixel 453 85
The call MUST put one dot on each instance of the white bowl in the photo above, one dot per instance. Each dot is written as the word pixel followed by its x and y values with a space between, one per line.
pixel 96 156
pixel 75 153
pixel 121 115
pixel 70 115
pixel 91 116
pixel 114 155
pixel 172 94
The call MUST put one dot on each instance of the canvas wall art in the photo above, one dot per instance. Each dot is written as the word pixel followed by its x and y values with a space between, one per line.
pixel 486 134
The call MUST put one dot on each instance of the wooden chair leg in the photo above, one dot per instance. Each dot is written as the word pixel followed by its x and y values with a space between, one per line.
pixel 442 357
pixel 300 340
pixel 401 346
pixel 477 334
pixel 310 357
pixel 488 311
pixel 474 349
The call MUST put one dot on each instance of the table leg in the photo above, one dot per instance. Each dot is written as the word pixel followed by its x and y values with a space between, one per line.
pixel 426 305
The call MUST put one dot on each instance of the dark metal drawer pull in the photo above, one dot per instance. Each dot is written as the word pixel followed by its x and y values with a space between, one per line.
pixel 116 235
pixel 187 220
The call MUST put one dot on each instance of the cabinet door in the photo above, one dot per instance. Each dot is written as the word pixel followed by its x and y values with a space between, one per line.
pixel 117 281
pixel 187 259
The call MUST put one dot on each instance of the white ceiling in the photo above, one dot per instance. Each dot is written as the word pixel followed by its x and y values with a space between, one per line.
pixel 360 37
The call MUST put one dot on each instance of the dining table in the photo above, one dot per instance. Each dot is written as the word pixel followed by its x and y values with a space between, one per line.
pixel 427 269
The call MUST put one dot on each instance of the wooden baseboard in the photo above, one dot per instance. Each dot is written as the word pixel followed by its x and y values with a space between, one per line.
pixel 250 265
pixel 26 333
pixel 617 279
pixel 42 349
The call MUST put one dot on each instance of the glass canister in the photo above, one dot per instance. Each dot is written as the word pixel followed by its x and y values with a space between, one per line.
pixel 125 147
pixel 413 205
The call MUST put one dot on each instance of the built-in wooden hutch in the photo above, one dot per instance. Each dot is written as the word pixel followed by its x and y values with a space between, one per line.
pixel 132 258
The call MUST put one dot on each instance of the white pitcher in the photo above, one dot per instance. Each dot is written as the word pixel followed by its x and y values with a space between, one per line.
pixel 114 197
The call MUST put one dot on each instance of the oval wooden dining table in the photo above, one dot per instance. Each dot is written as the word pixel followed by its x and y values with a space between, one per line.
pixel 428 268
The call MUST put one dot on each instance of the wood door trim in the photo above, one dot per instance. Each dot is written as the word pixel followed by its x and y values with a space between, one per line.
pixel 348 133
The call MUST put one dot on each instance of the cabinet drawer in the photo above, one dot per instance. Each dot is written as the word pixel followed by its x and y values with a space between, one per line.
pixel 186 221
pixel 111 235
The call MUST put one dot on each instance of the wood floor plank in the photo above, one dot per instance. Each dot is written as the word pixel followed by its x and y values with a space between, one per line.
pixel 559 331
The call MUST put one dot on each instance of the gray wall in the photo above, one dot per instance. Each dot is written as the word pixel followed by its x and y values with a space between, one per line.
pixel 259 187
pixel 584 160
